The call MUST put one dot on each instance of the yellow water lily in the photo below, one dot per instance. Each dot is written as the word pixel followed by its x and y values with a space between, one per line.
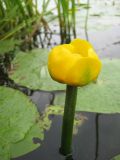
pixel 74 64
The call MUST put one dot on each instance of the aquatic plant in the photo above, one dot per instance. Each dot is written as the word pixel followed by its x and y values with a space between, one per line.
pixel 20 24
pixel 86 20
pixel 75 64
pixel 22 20
pixel 67 19
pixel 100 96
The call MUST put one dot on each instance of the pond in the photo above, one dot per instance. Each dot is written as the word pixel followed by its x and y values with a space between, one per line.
pixel 97 138
pixel 103 26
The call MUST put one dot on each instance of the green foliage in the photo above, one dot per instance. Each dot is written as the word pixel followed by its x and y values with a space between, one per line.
pixel 16 15
pixel 102 96
pixel 58 110
pixel 67 21
pixel 22 20
pixel 20 23
pixel 83 5
pixel 19 123
pixel 116 157
pixel 27 145
pixel 6 46
pixel 30 70
pixel 4 149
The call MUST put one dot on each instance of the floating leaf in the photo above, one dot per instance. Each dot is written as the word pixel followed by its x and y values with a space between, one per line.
pixel 27 145
pixel 30 70
pixel 96 14
pixel 102 96
pixel 19 124
pixel 58 110
pixel 116 158
pixel 4 149
pixel 8 45
pixel 83 5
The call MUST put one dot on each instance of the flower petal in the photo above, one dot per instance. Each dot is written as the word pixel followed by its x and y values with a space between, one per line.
pixel 81 46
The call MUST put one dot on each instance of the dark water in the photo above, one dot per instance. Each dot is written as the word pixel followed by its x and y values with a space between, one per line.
pixel 98 136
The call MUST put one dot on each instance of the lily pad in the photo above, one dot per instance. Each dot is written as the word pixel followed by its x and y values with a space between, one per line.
pixel 6 46
pixel 27 144
pixel 102 96
pixel 30 70
pixel 4 149
pixel 58 110
pixel 116 158
pixel 19 124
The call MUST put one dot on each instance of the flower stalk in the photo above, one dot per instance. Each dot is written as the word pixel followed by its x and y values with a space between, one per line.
pixel 74 64
pixel 68 120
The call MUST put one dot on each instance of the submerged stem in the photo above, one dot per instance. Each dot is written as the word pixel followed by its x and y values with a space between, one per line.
pixel 68 120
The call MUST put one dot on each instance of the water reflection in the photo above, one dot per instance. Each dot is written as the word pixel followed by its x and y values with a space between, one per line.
pixel 97 136
pixel 102 16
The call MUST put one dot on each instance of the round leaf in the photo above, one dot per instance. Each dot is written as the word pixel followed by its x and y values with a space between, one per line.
pixel 19 124
pixel 30 70
pixel 103 96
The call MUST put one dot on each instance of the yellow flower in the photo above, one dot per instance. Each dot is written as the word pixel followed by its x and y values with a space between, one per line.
pixel 74 64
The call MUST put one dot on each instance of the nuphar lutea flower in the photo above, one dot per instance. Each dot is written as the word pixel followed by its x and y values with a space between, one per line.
pixel 74 64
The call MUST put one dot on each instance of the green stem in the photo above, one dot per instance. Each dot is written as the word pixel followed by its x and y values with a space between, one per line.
pixel 68 120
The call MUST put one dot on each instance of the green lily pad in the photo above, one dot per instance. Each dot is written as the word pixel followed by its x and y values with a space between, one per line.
pixel 27 145
pixel 30 70
pixel 4 149
pixel 19 124
pixel 8 45
pixel 102 96
pixel 116 158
